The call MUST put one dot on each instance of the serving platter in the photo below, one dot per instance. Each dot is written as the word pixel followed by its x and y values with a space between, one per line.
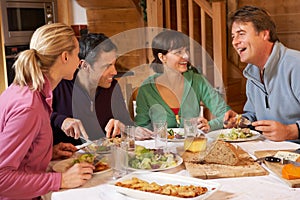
pixel 63 165
pixel 162 179
pixel 215 134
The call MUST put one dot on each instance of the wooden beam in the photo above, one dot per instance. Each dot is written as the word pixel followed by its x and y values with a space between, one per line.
pixel 203 42
pixel 191 30
pixel 179 15
pixel 219 42
pixel 3 76
pixel 168 13
pixel 64 12
pixel 155 13
pixel 205 6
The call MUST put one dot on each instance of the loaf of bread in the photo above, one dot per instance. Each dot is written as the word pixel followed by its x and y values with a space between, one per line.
pixel 222 153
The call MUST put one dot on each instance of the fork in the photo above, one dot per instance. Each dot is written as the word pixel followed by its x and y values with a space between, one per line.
pixel 242 121
pixel 177 117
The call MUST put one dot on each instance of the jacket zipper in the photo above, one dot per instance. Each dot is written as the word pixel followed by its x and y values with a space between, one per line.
pixel 266 94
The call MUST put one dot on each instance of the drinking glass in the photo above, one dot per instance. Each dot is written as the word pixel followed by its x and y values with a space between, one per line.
pixel 119 161
pixel 161 134
pixel 128 137
pixel 190 131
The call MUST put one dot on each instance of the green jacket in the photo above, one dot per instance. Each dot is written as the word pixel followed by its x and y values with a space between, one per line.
pixel 151 107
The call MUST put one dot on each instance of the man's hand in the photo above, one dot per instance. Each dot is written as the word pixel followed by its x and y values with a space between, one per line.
pixel 230 119
pixel 73 127
pixel 63 150
pixel 113 128
pixel 276 131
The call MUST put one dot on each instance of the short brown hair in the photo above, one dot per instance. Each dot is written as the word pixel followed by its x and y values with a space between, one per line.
pixel 260 18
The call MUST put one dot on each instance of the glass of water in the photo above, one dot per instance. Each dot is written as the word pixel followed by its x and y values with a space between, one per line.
pixel 161 134
pixel 119 161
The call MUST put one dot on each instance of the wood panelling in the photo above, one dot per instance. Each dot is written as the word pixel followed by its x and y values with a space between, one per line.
pixel 274 6
pixel 64 12
pixel 115 15
pixel 3 77
pixel 113 21
pixel 92 4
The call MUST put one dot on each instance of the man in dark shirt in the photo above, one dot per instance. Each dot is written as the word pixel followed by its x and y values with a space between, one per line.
pixel 93 96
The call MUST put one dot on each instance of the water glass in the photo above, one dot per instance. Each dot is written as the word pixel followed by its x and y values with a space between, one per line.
pixel 119 161
pixel 128 137
pixel 161 134
pixel 190 132
pixel 190 127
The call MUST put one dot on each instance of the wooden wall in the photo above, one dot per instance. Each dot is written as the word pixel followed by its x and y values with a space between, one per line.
pixel 3 78
pixel 114 17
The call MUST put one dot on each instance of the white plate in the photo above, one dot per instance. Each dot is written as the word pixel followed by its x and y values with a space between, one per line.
pixel 63 165
pixel 162 179
pixel 179 131
pixel 179 162
pixel 216 133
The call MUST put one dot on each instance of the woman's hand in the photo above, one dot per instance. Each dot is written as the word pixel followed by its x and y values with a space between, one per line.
pixel 77 175
pixel 73 128
pixel 202 124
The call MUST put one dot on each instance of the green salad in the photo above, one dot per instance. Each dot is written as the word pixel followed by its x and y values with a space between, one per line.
pixel 236 133
pixel 148 159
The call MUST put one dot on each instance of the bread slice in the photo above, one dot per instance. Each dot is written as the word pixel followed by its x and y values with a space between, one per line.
pixel 222 153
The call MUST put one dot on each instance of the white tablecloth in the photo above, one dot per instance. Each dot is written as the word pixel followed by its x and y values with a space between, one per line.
pixel 257 187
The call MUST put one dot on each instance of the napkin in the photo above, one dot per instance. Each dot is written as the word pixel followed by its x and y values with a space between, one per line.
pixel 107 192
pixel 102 192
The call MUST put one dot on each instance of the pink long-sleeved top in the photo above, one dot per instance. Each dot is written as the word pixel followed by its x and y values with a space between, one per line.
pixel 26 143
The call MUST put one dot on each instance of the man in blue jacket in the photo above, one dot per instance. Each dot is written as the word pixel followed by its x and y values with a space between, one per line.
pixel 273 71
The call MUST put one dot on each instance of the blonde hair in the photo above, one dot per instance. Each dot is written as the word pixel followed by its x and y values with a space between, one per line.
pixel 47 43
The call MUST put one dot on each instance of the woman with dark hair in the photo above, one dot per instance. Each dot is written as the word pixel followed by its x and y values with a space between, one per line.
pixel 176 90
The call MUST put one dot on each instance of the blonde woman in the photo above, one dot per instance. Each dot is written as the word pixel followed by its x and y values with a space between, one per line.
pixel 25 130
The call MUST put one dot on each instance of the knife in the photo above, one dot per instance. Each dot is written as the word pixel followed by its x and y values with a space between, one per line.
pixel 86 142
pixel 81 146
pixel 281 161
pixel 272 159
pixel 284 161
pixel 269 159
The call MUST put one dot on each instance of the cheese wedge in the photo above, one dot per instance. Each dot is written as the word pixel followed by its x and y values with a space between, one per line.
pixel 290 172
